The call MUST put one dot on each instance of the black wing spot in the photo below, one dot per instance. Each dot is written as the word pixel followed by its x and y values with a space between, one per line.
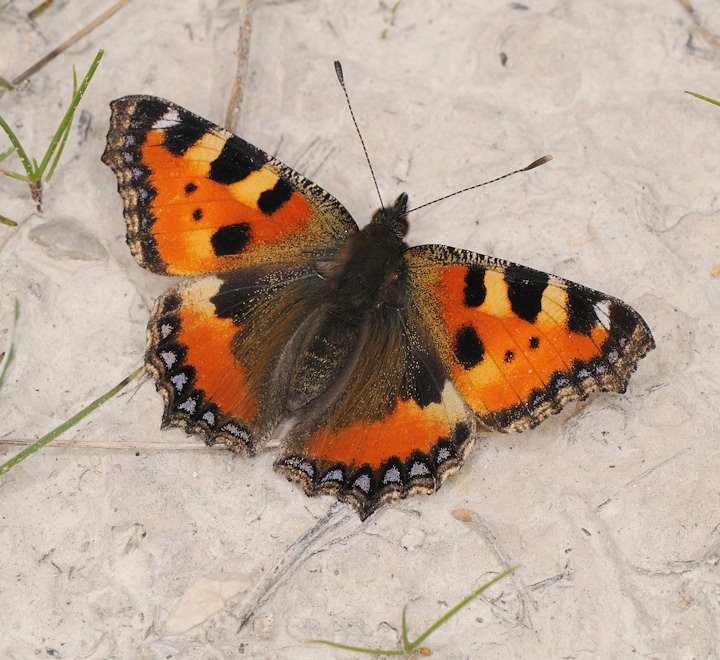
pixel 623 318
pixel 234 163
pixel 144 114
pixel 190 188
pixel 424 384
pixel 179 138
pixel 534 342
pixel 525 291
pixel 233 301
pixel 509 355
pixel 197 214
pixel 231 239
pixel 462 433
pixel 271 200
pixel 581 311
pixel 469 349
pixel 474 292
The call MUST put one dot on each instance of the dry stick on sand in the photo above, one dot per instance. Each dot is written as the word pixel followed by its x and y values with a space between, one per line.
pixel 232 117
pixel 72 40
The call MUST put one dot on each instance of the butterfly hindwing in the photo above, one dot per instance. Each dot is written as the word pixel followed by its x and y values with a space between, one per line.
pixel 520 344
pixel 396 426
pixel 215 345
pixel 199 199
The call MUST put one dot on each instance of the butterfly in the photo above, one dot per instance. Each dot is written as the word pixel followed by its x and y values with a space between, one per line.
pixel 384 360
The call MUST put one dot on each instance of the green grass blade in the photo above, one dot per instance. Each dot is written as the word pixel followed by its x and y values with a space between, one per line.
pixel 457 608
pixel 6 153
pixel 409 647
pixel 357 649
pixel 18 147
pixel 7 221
pixel 11 349
pixel 5 83
pixel 34 13
pixel 3 7
pixel 64 138
pixel 67 119
pixel 405 641
pixel 59 153
pixel 391 20
pixel 66 133
pixel 28 451
pixel 704 98
pixel 14 175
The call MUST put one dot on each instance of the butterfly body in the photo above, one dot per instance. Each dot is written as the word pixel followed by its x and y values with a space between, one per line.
pixel 356 288
pixel 386 358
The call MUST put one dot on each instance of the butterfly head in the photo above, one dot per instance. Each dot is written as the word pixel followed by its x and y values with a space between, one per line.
pixel 394 217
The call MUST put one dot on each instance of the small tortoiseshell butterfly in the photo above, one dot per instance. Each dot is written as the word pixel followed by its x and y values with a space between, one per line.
pixel 386 358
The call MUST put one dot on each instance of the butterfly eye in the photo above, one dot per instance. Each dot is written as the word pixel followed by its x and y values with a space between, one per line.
pixel 399 211
pixel 401 226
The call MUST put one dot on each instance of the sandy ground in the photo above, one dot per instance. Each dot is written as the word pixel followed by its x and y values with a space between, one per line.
pixel 611 509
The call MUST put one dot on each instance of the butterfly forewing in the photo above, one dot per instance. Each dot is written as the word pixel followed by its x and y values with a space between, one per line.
pixel 199 199
pixel 519 344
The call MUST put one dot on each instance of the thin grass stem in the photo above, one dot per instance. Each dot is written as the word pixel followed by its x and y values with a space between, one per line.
pixel 28 451
pixel 704 98
pixel 18 147
pixel 9 354
pixel 458 607
pixel 408 646
pixel 67 119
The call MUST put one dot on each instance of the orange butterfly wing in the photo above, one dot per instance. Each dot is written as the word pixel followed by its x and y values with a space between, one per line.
pixel 214 344
pixel 518 343
pixel 199 199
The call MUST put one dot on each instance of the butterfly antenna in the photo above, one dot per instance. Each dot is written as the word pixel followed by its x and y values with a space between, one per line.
pixel 534 164
pixel 341 80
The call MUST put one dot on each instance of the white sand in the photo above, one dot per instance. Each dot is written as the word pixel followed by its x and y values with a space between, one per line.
pixel 611 509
